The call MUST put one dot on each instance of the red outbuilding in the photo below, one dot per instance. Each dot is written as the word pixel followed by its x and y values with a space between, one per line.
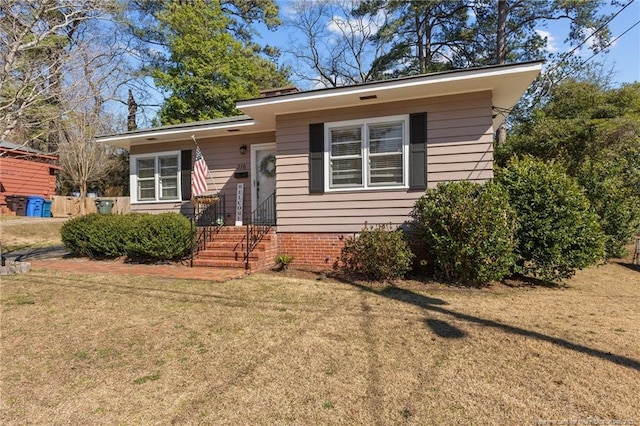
pixel 26 171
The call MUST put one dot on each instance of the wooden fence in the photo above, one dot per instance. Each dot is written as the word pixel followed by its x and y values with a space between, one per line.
pixel 71 206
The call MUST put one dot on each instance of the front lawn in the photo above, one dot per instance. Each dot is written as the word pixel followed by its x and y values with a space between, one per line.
pixel 20 232
pixel 276 349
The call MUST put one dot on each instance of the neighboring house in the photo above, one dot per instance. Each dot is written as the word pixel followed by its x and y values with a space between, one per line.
pixel 343 156
pixel 26 171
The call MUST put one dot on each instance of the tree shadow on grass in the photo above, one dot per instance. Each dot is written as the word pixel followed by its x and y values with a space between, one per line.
pixel 437 305
pixel 444 329
pixel 523 280
pixel 629 265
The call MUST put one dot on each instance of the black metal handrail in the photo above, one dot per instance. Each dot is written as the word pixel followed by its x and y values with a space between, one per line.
pixel 259 224
pixel 207 219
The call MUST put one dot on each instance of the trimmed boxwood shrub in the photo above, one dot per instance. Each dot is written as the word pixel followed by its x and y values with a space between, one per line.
pixel 166 236
pixel 465 231
pixel 378 253
pixel 557 232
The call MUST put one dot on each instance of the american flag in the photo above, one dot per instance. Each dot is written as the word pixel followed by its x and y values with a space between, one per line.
pixel 200 173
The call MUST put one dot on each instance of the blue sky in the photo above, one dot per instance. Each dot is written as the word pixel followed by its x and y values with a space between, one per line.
pixel 623 56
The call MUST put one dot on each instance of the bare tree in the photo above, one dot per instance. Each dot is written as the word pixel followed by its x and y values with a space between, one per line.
pixel 101 74
pixel 337 46
pixel 83 160
pixel 36 42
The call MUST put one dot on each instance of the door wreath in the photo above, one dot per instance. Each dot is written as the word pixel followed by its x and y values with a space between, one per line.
pixel 268 165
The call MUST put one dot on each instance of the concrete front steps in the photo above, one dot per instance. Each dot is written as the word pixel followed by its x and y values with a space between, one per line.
pixel 227 249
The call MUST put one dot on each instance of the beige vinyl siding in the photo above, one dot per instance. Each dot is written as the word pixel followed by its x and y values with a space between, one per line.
pixel 156 208
pixel 459 146
pixel 223 159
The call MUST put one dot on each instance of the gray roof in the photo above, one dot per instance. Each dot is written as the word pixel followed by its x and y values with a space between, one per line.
pixel 24 148
pixel 191 125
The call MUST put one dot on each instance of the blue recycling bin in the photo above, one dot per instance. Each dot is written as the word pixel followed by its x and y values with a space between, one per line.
pixel 46 208
pixel 34 206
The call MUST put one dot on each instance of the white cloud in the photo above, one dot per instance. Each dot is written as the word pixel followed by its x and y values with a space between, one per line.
pixel 364 26
pixel 549 39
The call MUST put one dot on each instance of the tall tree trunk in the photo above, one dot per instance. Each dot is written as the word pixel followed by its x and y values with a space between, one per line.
pixel 133 109
pixel 501 55
pixel 501 34
pixel 420 40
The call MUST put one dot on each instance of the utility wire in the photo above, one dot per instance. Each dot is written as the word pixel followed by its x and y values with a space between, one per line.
pixel 547 81
pixel 600 28
pixel 610 43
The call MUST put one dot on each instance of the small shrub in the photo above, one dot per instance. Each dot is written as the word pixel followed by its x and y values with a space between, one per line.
pixel 376 254
pixel 165 236
pixel 283 261
pixel 557 232
pixel 466 231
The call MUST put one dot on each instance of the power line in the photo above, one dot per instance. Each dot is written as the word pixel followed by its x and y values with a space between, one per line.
pixel 610 43
pixel 547 80
pixel 600 28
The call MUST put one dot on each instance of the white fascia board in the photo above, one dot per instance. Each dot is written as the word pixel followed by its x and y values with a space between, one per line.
pixel 391 85
pixel 171 134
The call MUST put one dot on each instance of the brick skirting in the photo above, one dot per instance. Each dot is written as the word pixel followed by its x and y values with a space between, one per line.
pixel 311 248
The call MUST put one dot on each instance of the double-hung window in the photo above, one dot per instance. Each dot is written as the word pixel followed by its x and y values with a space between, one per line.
pixel 156 177
pixel 367 153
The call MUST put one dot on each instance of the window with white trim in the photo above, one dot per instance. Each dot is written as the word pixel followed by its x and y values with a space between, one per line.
pixel 155 177
pixel 365 154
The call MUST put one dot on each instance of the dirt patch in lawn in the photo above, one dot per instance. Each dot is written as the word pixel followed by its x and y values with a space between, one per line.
pixel 278 349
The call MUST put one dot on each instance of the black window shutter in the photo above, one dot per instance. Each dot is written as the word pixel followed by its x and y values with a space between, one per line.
pixel 316 158
pixel 185 174
pixel 418 151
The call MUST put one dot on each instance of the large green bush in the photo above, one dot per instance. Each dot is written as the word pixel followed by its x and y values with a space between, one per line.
pixel 613 200
pixel 557 232
pixel 153 237
pixel 109 235
pixel 166 236
pixel 76 234
pixel 377 254
pixel 465 231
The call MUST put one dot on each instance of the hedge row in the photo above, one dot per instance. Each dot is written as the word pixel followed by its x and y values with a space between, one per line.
pixel 166 236
pixel 532 219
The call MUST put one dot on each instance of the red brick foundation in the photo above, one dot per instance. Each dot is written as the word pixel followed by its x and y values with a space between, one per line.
pixel 318 250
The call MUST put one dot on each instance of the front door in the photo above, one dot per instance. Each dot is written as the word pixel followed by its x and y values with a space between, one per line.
pixel 263 170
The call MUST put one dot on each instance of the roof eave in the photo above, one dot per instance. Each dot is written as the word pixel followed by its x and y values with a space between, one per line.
pixel 506 91
pixel 172 133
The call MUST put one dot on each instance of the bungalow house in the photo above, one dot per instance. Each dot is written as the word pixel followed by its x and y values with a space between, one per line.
pixel 308 168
